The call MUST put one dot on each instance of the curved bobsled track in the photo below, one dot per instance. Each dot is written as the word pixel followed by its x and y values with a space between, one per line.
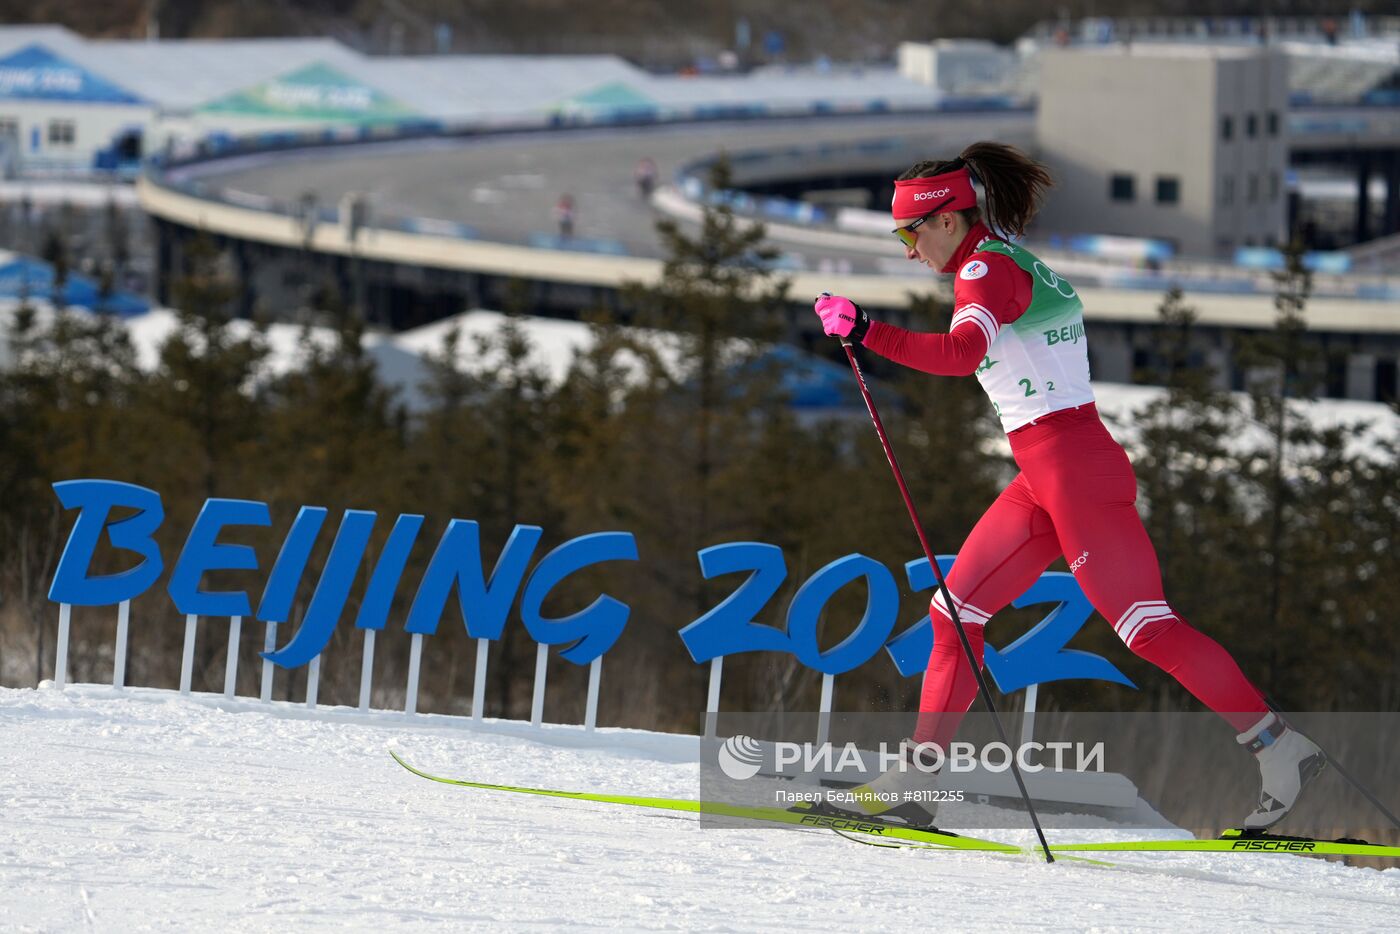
pixel 505 186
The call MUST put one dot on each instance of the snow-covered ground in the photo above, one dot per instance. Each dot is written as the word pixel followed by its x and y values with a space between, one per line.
pixel 144 810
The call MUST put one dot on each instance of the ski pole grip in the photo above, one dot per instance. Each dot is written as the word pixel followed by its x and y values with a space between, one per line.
pixel 844 341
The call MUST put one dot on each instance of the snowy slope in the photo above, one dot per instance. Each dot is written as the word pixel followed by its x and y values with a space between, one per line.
pixel 143 810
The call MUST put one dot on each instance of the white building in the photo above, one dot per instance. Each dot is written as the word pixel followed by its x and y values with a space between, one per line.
pixel 958 66
pixel 69 104
pixel 1181 143
pixel 56 113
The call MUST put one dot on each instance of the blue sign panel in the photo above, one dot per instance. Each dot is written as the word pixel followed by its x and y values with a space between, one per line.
pixel 36 74
pixel 486 599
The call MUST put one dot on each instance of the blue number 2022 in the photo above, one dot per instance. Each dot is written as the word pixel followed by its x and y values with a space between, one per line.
pixel 730 627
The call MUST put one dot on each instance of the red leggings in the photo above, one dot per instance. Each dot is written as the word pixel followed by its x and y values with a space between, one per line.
pixel 1073 497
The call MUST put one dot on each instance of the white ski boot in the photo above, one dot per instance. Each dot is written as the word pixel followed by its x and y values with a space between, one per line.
pixel 907 792
pixel 1288 761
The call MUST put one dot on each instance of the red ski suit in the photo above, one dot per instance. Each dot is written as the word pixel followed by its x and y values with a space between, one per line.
pixel 1074 497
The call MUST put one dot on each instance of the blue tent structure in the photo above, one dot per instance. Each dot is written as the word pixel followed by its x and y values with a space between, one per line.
pixel 815 384
pixel 810 382
pixel 27 277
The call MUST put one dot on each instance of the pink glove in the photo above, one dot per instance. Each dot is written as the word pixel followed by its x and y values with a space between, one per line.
pixel 841 317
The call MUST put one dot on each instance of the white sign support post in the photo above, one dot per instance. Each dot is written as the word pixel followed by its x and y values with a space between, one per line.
pixel 119 662
pixel 187 661
pixel 415 661
pixel 313 682
pixel 235 627
pixel 366 669
pixel 824 710
pixel 590 710
pixel 537 702
pixel 712 704
pixel 60 661
pixel 1028 718
pixel 269 645
pixel 479 682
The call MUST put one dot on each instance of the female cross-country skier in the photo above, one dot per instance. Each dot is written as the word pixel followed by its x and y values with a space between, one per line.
pixel 1019 328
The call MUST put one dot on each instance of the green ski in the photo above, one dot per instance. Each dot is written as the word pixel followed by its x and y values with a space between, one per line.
pixel 874 832
pixel 1235 841
pixel 870 829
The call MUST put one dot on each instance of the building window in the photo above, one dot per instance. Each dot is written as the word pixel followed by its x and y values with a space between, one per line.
pixel 1227 189
pixel 1273 123
pixel 1120 187
pixel 61 133
pixel 1227 128
pixel 1251 126
pixel 9 128
pixel 1168 189
pixel 1253 187
pixel 1273 186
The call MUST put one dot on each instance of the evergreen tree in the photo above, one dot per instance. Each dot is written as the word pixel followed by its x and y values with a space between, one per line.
pixel 705 331
pixel 64 399
pixel 1282 367
pixel 515 410
pixel 118 243
pixel 1185 489
pixel 1367 650
pixel 482 451
pixel 206 390
pixel 717 301
pixel 55 253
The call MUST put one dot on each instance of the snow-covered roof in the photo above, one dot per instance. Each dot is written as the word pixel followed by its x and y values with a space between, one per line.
pixel 464 85
pixel 183 74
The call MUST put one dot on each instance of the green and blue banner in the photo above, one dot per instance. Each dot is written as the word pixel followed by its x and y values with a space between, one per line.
pixel 313 92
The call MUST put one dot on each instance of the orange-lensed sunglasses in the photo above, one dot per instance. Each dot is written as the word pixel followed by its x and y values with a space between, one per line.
pixel 907 234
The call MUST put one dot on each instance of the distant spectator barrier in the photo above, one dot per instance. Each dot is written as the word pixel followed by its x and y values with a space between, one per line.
pixel 1336 263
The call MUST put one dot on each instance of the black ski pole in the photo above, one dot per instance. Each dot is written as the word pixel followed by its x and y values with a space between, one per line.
pixel 1360 787
pixel 943 589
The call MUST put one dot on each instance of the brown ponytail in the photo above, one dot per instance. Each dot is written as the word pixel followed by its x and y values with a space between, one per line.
pixel 1013 184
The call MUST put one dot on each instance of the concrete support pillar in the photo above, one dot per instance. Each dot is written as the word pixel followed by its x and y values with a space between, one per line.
pixel 1112 356
pixel 1363 198
pixel 1361 376
pixel 1218 359
pixel 1391 222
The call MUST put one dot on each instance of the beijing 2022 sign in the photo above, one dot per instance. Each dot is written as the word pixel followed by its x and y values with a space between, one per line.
pixel 485 601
